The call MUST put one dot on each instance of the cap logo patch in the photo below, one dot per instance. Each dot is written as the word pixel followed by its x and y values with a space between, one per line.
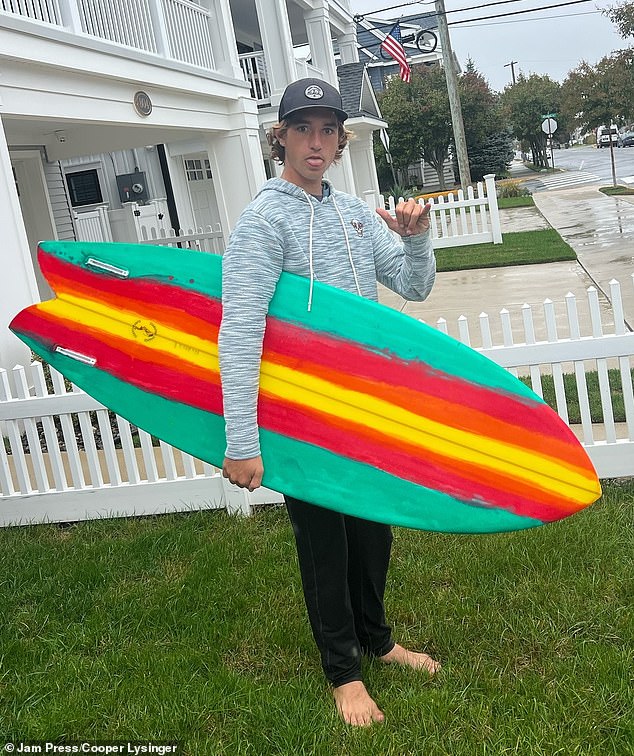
pixel 314 92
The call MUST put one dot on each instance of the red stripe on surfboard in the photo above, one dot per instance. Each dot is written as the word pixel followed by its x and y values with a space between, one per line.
pixel 174 305
pixel 345 439
pixel 463 481
pixel 412 386
pixel 417 386
pixel 127 361
pixel 442 410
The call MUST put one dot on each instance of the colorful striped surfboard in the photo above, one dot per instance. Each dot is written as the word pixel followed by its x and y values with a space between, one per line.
pixel 362 409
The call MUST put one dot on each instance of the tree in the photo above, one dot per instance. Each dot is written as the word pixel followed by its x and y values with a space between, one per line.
pixel 489 142
pixel 525 103
pixel 492 155
pixel 602 94
pixel 599 95
pixel 622 16
pixel 419 119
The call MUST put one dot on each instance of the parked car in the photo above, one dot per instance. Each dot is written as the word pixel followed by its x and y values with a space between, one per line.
pixel 626 139
pixel 604 135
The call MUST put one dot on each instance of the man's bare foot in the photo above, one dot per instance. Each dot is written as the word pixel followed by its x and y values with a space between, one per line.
pixel 413 659
pixel 355 705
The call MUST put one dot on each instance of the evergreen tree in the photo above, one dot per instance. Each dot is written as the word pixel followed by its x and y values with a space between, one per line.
pixel 489 141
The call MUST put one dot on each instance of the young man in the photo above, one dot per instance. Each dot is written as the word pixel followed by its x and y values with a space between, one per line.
pixel 300 223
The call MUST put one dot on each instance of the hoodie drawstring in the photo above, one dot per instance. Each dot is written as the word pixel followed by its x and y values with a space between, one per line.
pixel 310 248
pixel 310 253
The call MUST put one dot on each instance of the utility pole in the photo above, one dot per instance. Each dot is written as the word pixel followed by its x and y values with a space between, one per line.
pixel 512 64
pixel 454 97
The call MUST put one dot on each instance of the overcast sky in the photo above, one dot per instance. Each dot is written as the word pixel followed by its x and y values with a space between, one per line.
pixel 544 42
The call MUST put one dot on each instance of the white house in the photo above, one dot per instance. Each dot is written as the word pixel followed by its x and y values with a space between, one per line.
pixel 115 113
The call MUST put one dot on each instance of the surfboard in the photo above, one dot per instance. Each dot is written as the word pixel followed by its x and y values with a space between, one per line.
pixel 361 409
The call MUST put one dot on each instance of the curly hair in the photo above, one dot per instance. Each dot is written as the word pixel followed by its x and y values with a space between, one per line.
pixel 278 151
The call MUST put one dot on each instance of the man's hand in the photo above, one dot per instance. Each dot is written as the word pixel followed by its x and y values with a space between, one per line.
pixel 411 218
pixel 245 473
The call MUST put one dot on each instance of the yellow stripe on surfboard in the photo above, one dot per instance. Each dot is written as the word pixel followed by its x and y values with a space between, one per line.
pixel 119 322
pixel 425 434
pixel 332 399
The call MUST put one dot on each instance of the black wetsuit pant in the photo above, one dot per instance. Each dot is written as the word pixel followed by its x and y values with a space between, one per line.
pixel 343 561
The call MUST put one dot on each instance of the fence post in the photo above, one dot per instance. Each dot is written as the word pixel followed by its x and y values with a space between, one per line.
pixel 236 500
pixel 371 199
pixel 492 197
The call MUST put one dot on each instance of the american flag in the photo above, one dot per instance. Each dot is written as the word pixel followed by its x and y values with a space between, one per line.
pixel 393 46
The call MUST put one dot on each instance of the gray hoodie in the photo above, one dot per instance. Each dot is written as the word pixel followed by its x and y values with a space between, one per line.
pixel 338 241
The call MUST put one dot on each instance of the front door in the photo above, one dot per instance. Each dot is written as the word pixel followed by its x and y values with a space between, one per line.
pixel 201 191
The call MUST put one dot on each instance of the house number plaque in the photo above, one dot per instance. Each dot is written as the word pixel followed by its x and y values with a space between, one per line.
pixel 142 103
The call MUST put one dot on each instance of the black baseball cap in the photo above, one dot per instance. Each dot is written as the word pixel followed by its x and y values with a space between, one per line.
pixel 310 93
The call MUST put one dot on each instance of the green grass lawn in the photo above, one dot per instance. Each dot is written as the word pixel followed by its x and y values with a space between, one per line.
pixel 519 248
pixel 192 628
pixel 594 395
pixel 616 190
pixel 505 202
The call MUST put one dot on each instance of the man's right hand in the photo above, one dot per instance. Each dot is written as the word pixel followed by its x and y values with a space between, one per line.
pixel 245 473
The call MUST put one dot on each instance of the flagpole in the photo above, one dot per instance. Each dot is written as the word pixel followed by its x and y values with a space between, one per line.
pixel 454 96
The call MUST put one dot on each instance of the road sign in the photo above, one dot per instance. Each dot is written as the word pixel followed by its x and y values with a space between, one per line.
pixel 549 126
pixel 550 115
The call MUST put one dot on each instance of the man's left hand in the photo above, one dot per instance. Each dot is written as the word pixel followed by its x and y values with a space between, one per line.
pixel 411 219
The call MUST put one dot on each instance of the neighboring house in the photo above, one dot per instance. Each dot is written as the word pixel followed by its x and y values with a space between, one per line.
pixel 115 114
pixel 421 42
pixel 419 35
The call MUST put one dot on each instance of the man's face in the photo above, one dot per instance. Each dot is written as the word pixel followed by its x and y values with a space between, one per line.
pixel 311 143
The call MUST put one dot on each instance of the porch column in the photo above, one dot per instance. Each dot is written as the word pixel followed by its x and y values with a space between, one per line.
pixel 275 30
pixel 347 43
pixel 320 41
pixel 342 176
pixel 18 288
pixel 364 167
pixel 237 166
pixel 223 38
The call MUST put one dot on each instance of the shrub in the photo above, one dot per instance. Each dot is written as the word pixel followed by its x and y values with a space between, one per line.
pixel 513 188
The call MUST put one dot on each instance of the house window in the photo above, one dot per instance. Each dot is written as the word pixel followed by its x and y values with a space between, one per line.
pixel 83 187
pixel 197 170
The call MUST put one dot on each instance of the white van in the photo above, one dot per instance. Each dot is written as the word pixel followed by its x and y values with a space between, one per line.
pixel 604 134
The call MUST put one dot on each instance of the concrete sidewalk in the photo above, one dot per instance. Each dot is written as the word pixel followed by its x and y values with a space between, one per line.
pixel 599 228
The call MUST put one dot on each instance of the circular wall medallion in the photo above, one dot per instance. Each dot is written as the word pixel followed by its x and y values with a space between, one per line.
pixel 142 103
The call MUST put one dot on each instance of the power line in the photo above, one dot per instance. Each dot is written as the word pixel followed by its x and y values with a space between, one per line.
pixel 361 16
pixel 541 18
pixel 517 13
pixel 499 2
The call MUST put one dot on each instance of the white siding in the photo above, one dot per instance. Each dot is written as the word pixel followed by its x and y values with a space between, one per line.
pixel 59 201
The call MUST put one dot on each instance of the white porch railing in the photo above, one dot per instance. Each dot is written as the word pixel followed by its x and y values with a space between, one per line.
pixel 59 479
pixel 456 222
pixel 180 30
pixel 253 67
pixel 255 71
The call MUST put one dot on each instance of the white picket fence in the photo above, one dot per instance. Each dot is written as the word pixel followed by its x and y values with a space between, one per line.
pixel 456 222
pixel 76 467
pixel 60 479
pixel 207 239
